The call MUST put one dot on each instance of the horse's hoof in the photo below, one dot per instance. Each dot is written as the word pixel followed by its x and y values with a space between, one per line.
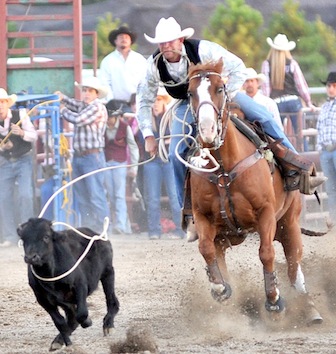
pixel 221 292
pixel 278 306
pixel 314 317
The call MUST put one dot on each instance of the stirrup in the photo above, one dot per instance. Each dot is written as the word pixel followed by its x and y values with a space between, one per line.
pixel 309 184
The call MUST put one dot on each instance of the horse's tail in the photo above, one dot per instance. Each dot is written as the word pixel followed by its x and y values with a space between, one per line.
pixel 313 233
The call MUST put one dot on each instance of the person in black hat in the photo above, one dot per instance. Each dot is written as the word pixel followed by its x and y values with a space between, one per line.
pixel 122 69
pixel 326 144
pixel 119 147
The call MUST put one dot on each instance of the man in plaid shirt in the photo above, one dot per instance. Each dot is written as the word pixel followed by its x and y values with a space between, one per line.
pixel 326 144
pixel 89 118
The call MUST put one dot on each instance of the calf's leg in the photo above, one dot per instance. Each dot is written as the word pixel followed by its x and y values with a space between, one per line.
pixel 112 302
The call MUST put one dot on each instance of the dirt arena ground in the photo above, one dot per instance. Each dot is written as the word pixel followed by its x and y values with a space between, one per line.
pixel 166 303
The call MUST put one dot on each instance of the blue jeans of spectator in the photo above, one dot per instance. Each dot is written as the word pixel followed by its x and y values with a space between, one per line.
pixel 16 195
pixel 156 173
pixel 253 112
pixel 328 164
pixel 116 189
pixel 292 106
pixel 89 192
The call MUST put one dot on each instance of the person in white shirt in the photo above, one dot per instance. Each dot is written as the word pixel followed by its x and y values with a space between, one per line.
pixel 251 86
pixel 123 68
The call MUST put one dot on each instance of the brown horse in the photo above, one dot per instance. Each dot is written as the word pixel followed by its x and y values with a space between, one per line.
pixel 242 196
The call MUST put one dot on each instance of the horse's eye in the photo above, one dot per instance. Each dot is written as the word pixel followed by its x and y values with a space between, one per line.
pixel 220 89
pixel 189 94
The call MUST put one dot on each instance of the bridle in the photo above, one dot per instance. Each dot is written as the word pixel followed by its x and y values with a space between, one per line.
pixel 221 128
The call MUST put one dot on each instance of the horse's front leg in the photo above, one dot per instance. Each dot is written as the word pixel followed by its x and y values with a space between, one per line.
pixel 214 256
pixel 267 228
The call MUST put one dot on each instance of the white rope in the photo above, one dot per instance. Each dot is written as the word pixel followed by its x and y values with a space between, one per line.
pixel 198 160
pixel 156 72
pixel 103 236
pixel 84 176
pixel 203 153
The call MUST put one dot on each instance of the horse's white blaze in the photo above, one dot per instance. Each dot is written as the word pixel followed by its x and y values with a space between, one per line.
pixel 206 116
pixel 299 284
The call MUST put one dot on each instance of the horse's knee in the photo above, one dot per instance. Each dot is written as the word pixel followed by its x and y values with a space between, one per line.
pixel 267 255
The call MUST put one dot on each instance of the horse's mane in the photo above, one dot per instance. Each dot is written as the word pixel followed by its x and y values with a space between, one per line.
pixel 215 66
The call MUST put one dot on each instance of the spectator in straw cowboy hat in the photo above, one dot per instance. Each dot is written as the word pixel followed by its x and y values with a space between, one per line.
pixel 326 143
pixel 17 135
pixel 251 86
pixel 122 69
pixel 169 65
pixel 89 117
pixel 284 80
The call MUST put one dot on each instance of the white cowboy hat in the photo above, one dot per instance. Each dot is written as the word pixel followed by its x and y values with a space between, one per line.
pixel 94 83
pixel 281 42
pixel 10 99
pixel 167 30
pixel 252 74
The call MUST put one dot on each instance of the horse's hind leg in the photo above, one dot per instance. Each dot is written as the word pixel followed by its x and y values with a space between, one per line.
pixel 292 245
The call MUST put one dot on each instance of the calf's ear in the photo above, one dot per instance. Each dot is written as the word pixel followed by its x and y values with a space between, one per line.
pixel 20 228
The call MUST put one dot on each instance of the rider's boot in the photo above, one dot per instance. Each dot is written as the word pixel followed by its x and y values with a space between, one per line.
pixel 190 228
pixel 299 173
pixel 188 224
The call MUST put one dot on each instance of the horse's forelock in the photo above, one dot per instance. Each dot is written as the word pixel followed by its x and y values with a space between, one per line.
pixel 215 66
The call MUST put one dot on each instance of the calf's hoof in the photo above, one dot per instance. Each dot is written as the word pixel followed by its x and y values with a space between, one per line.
pixel 107 330
pixel 86 323
pixel 58 343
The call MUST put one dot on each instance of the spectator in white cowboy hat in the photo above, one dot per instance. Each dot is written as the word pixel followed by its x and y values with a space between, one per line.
pixel 284 80
pixel 122 69
pixel 326 144
pixel 17 135
pixel 89 117
pixel 169 65
pixel 251 86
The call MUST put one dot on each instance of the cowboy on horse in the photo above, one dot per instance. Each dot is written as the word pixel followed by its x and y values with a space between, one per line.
pixel 169 64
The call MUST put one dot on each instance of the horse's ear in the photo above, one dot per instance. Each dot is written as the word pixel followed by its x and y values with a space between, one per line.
pixel 219 65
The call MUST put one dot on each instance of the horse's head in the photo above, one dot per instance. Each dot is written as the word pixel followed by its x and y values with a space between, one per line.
pixel 207 99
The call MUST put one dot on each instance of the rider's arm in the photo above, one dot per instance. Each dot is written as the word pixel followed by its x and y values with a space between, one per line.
pixel 234 68
pixel 145 98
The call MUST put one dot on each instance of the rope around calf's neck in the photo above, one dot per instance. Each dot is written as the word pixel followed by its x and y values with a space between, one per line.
pixel 103 236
